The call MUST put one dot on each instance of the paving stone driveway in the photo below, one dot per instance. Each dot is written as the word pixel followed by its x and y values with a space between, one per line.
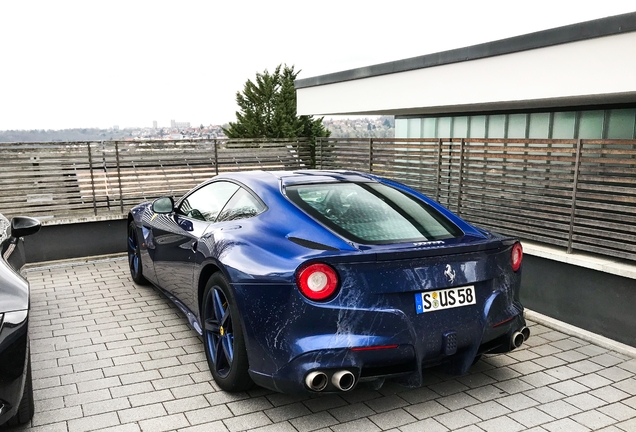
pixel 109 355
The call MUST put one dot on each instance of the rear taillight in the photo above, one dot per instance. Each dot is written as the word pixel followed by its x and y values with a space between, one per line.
pixel 516 256
pixel 317 281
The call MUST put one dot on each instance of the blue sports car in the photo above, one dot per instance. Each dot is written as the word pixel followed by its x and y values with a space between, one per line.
pixel 319 280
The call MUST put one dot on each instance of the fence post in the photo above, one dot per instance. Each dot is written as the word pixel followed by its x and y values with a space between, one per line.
pixel 216 159
pixel 321 155
pixel 579 148
pixel 370 154
pixel 121 193
pixel 461 172
pixel 90 165
pixel 439 170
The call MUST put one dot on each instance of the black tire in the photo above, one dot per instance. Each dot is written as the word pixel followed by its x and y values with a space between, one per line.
pixel 26 408
pixel 134 256
pixel 223 337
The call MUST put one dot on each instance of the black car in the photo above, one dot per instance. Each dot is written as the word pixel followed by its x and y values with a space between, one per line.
pixel 16 391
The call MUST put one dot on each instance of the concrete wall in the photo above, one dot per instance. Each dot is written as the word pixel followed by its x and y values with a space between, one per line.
pixel 76 240
pixel 600 302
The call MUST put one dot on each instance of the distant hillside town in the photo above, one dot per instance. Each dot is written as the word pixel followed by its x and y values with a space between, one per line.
pixel 374 127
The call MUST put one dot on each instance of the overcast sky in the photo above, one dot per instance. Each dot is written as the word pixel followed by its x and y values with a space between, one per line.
pixel 101 63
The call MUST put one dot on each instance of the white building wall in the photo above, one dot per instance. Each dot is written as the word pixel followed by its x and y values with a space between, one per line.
pixel 589 71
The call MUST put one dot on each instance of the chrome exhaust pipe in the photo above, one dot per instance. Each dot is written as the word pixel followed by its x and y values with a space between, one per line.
pixel 525 332
pixel 316 381
pixel 517 340
pixel 343 380
pixel 519 337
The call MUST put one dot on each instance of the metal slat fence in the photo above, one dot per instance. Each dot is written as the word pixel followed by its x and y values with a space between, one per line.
pixel 79 179
pixel 577 194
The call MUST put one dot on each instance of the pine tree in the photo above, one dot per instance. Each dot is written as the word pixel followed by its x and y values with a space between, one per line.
pixel 268 109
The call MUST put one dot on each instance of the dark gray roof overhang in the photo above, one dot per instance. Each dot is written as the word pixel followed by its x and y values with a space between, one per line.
pixel 612 25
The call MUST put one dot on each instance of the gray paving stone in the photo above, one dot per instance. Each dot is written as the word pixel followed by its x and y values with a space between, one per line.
pixel 501 424
pixel 559 409
pixel 208 415
pixel 313 421
pixel 517 402
pixel 618 411
pixel 514 386
pixel 565 425
pixel 391 419
pixel 488 410
pixel 531 417
pixel 457 419
pixel 246 421
pixel 428 425
pixel 90 423
pixel 628 426
pixel 457 401
pixel 290 411
pixel 628 386
pixel 486 393
pixel 593 381
pixel 426 409
pixel 325 403
pixel 630 402
pixel 166 423
pixel 386 403
pixel 277 427
pixel 569 387
pixel 609 394
pixel 594 419
pixel 109 352
pixel 142 413
pixel 448 388
pixel 249 406
pixel 99 407
pixel 615 374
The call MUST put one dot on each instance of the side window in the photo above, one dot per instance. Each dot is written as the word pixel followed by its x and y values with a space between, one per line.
pixel 242 205
pixel 206 203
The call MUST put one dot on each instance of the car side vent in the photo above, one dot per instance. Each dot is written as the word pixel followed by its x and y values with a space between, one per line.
pixel 311 244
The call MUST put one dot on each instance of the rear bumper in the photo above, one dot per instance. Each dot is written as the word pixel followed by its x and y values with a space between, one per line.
pixel 393 349
pixel 14 354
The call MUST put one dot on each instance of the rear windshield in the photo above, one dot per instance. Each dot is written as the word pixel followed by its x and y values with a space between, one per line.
pixel 372 213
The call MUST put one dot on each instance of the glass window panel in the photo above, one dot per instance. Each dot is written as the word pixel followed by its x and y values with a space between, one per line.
pixel 428 127
pixel 372 212
pixel 444 127
pixel 401 128
pixel 517 126
pixel 591 124
pixel 496 125
pixel 478 126
pixel 242 205
pixel 415 128
pixel 206 203
pixel 460 127
pixel 621 124
pixel 539 125
pixel 563 125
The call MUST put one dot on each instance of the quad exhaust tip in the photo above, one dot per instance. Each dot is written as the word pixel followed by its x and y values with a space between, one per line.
pixel 343 380
pixel 519 337
pixel 316 381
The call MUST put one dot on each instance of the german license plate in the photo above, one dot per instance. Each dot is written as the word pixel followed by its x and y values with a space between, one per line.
pixel 431 301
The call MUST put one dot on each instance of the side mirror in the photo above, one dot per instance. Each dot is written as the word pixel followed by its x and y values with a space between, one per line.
pixel 22 226
pixel 163 205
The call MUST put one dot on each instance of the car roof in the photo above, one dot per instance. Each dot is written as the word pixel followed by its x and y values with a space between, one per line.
pixel 299 176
